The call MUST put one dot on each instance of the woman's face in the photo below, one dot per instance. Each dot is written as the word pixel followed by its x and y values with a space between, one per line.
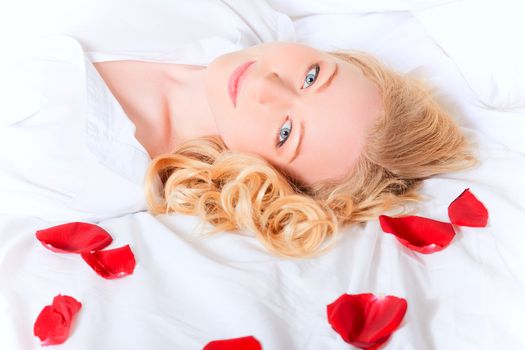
pixel 303 110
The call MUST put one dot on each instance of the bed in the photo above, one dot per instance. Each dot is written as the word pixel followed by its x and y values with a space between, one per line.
pixel 187 290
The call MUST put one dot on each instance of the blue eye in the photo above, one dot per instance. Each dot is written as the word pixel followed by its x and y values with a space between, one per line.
pixel 286 129
pixel 311 76
pixel 284 132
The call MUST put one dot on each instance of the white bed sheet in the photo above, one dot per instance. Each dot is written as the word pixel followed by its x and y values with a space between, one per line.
pixel 187 291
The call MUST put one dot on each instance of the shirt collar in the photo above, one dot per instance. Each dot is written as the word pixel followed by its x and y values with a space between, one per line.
pixel 110 134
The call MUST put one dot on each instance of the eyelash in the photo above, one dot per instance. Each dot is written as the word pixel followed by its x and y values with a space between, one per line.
pixel 317 69
pixel 281 142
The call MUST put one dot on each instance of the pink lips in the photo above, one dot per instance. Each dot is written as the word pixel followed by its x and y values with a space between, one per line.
pixel 236 79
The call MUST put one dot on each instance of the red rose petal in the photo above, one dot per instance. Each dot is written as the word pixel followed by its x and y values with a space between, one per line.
pixel 67 306
pixel 418 233
pixel 53 323
pixel 74 237
pixel 244 343
pixel 467 210
pixel 111 263
pixel 364 320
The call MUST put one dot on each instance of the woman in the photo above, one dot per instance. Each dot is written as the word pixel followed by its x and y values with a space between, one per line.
pixel 302 142
pixel 285 141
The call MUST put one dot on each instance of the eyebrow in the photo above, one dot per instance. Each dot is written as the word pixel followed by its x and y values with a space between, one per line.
pixel 329 80
pixel 321 88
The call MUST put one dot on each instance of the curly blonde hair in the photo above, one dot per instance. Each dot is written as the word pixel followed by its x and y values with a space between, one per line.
pixel 413 139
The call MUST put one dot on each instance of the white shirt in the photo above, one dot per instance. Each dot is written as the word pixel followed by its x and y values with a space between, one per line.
pixel 71 153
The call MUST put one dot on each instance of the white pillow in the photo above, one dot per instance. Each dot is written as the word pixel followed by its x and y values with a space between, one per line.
pixel 158 29
pixel 301 8
pixel 485 41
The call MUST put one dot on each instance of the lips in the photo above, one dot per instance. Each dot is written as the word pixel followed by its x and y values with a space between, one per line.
pixel 235 80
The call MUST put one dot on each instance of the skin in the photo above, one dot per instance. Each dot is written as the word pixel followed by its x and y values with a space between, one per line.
pixel 329 122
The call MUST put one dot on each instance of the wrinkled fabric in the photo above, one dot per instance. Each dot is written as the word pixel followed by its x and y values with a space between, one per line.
pixel 186 291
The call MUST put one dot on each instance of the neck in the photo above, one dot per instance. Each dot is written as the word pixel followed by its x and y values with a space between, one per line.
pixel 166 102
pixel 186 102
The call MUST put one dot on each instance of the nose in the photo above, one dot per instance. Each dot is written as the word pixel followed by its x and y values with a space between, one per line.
pixel 272 89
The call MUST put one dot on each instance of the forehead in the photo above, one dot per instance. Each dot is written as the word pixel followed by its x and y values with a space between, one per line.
pixel 335 122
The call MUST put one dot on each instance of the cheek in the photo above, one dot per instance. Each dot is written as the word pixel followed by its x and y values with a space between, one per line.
pixel 249 133
pixel 242 134
pixel 232 135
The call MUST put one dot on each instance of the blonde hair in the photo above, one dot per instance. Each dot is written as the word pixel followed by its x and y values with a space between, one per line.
pixel 413 139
